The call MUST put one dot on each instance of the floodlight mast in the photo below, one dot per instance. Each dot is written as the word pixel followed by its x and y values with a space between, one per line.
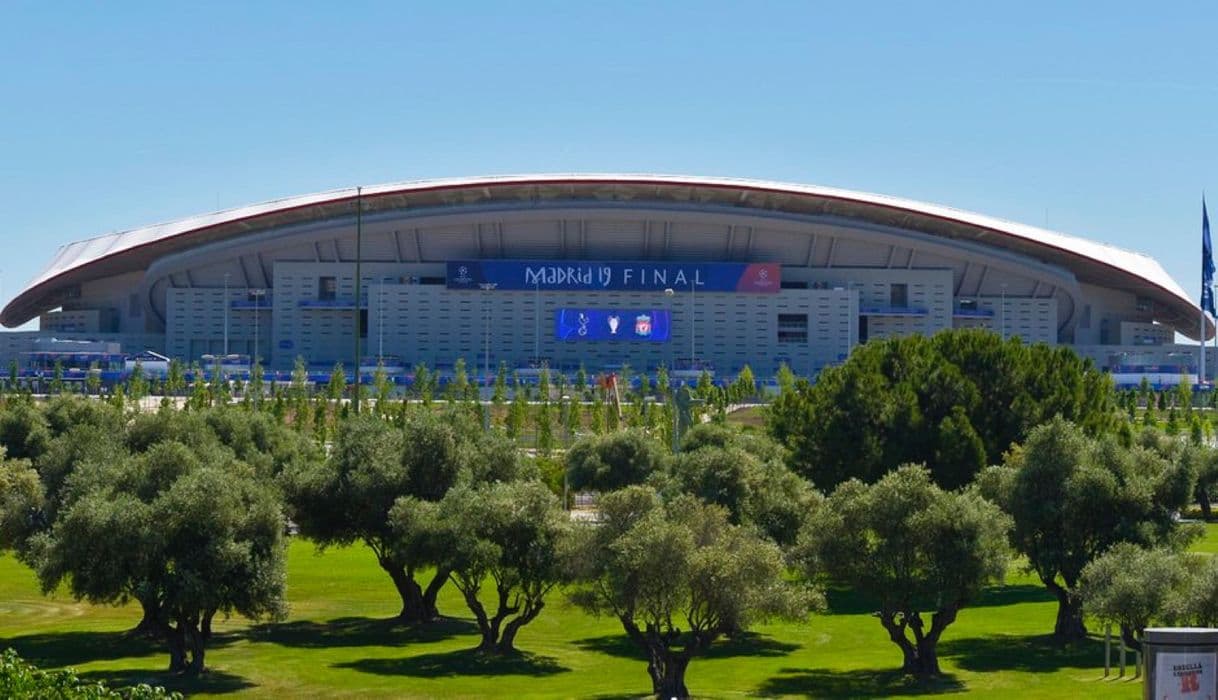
pixel 359 232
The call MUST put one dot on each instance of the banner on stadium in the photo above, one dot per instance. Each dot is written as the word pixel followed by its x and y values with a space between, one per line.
pixel 570 275
pixel 652 325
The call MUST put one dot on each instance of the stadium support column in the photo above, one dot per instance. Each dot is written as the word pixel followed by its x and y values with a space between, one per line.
pixel 359 233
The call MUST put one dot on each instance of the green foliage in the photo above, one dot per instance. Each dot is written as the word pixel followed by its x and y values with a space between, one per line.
pixel 678 576
pixel 1131 586
pixel 744 388
pixel 337 386
pixel 544 420
pixel 743 473
pixel 24 433
pixel 189 533
pixel 509 535
pixel 137 384
pixel 955 401
pixel 517 413
pixel 1074 497
pixel 22 500
pixel 458 388
pixel 19 679
pixel 373 466
pixel 613 461
pixel 499 394
pixel 910 547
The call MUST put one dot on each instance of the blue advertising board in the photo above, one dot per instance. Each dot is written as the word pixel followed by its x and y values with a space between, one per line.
pixel 582 275
pixel 653 325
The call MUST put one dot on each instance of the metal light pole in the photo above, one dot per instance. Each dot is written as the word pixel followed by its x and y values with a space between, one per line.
pixel 359 233
pixel 1002 318
pixel 693 325
pixel 670 292
pixel 226 314
pixel 257 313
pixel 486 333
pixel 380 321
pixel 537 323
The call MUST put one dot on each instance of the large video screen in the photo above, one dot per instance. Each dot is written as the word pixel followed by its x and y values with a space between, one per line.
pixel 650 325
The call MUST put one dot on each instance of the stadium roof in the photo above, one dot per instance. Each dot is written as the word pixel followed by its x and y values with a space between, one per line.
pixel 134 250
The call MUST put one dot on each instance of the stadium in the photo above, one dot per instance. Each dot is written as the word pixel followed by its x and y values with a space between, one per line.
pixel 601 271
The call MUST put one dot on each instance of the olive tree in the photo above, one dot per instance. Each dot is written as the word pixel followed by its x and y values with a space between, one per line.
pixel 743 473
pixel 678 576
pixel 1072 497
pixel 911 548
pixel 507 537
pixel 613 461
pixel 347 498
pixel 196 536
pixel 1131 586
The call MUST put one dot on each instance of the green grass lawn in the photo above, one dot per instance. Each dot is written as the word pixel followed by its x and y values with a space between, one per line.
pixel 336 643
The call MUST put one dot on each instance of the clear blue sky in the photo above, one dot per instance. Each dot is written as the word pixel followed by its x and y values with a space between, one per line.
pixel 1100 119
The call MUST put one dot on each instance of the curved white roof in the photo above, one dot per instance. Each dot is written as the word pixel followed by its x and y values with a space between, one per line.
pixel 75 258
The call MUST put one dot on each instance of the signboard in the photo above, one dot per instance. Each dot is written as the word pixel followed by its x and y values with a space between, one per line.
pixel 579 275
pixel 653 325
pixel 1185 676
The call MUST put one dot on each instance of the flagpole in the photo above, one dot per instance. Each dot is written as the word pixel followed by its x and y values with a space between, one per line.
pixel 1207 288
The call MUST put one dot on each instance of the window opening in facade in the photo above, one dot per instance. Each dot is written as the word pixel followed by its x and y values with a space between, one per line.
pixel 327 288
pixel 898 296
pixel 793 328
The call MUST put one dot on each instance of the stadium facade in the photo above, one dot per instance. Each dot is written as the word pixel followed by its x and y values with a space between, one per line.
pixel 599 270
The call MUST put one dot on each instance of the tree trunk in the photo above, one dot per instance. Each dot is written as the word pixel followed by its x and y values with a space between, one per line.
pixel 507 641
pixel 1203 500
pixel 205 627
pixel 149 625
pixel 195 644
pixel 1131 642
pixel 668 673
pixel 431 593
pixel 177 648
pixel 920 656
pixel 1069 626
pixel 414 608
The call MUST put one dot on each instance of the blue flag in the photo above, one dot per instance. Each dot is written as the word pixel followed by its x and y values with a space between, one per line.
pixel 1207 263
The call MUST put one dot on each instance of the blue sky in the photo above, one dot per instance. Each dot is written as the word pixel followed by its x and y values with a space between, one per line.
pixel 1097 119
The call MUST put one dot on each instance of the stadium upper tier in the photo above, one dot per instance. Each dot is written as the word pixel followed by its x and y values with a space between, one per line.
pixel 139 250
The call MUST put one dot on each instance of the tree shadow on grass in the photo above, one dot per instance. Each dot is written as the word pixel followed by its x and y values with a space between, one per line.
pixel 845 601
pixel 1033 653
pixel 56 649
pixel 359 632
pixel 746 644
pixel 859 683
pixel 210 681
pixel 460 663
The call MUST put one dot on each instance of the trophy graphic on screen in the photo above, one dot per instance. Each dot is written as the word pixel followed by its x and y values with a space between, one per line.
pixel 614 322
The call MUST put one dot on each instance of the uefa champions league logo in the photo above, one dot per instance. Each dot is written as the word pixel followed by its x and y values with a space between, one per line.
pixel 463 275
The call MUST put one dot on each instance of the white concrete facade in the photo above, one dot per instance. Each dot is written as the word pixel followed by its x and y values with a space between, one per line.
pixel 854 267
